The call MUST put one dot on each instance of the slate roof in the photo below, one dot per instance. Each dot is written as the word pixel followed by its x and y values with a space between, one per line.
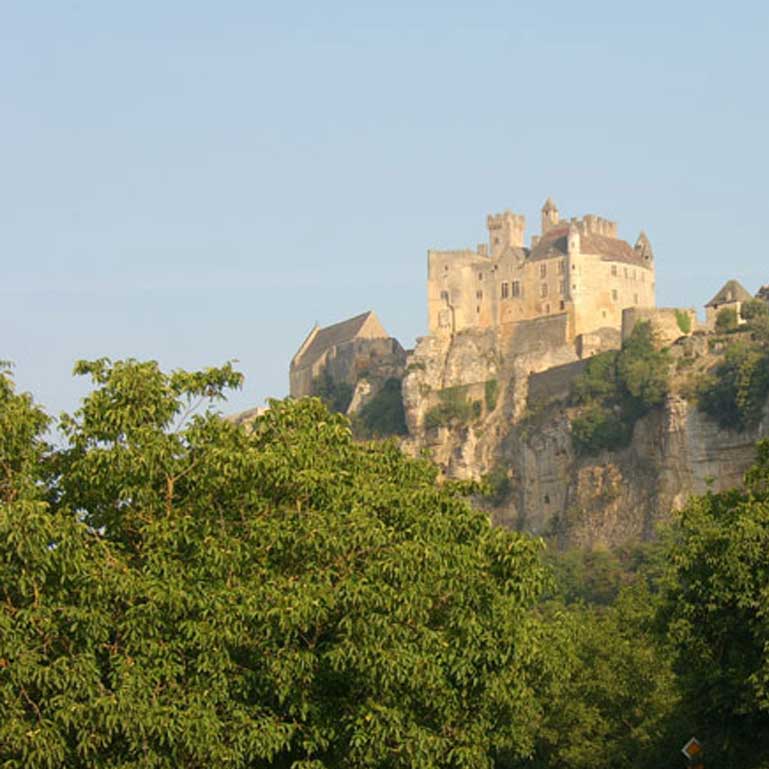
pixel 732 291
pixel 554 243
pixel 330 336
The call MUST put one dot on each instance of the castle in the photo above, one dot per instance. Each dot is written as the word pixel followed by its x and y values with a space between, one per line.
pixel 577 271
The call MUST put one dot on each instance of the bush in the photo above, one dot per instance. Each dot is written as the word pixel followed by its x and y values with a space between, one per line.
pixel 491 390
pixel 336 395
pixel 383 415
pixel 454 408
pixel 734 394
pixel 616 389
pixel 497 486
pixel 598 428
pixel 726 320
pixel 684 321
pixel 755 308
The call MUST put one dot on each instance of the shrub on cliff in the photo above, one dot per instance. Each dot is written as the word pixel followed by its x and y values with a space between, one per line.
pixel 178 592
pixel 383 415
pixel 616 389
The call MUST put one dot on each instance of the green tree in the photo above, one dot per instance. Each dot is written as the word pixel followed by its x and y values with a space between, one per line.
pixel 717 611
pixel 383 415
pixel 616 389
pixel 735 393
pixel 618 706
pixel 726 320
pixel 178 592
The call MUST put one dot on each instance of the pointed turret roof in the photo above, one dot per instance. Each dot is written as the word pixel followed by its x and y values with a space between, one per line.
pixel 731 291
pixel 549 206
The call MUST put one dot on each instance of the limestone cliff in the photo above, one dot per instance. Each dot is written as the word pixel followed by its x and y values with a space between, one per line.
pixel 518 428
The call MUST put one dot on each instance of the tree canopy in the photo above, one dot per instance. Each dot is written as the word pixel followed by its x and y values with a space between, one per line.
pixel 181 592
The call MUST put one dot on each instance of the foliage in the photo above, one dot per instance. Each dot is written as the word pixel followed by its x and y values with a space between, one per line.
pixel 753 309
pixel 178 592
pixel 454 408
pixel 497 486
pixel 491 391
pixel 337 395
pixel 383 415
pixel 684 321
pixel 735 392
pixel 726 320
pixel 717 613
pixel 616 389
pixel 618 705
pixel 599 427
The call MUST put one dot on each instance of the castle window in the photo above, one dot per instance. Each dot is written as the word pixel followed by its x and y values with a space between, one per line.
pixel 444 296
pixel 560 267
pixel 547 309
pixel 480 276
pixel 625 271
pixel 505 291
pixel 542 271
pixel 479 295
pixel 478 309
pixel 634 275
pixel 614 270
pixel 445 268
pixel 563 305
pixel 614 295
pixel 543 290
pixel 516 288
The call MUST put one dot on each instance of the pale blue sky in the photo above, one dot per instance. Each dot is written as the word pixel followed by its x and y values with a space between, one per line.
pixel 199 181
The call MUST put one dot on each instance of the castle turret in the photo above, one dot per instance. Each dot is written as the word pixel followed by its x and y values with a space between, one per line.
pixel 644 248
pixel 505 230
pixel 550 216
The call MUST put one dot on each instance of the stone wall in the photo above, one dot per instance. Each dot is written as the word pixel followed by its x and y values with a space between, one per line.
pixel 666 322
pixel 554 384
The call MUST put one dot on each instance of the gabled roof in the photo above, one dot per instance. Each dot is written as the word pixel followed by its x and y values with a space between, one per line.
pixel 732 291
pixel 322 339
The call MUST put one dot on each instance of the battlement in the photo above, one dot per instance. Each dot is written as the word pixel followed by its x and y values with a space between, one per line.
pixel 590 224
pixel 505 230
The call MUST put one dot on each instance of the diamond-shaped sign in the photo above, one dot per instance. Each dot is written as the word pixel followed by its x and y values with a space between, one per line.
pixel 692 748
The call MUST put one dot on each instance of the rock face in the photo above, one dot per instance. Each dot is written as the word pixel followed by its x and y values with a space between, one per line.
pixel 522 437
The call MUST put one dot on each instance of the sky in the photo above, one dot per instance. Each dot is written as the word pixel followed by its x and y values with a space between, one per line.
pixel 196 182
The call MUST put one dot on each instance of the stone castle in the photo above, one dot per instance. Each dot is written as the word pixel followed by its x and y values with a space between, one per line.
pixel 488 391
pixel 577 271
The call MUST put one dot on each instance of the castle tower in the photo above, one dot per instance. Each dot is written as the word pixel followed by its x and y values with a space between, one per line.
pixel 550 216
pixel 506 230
